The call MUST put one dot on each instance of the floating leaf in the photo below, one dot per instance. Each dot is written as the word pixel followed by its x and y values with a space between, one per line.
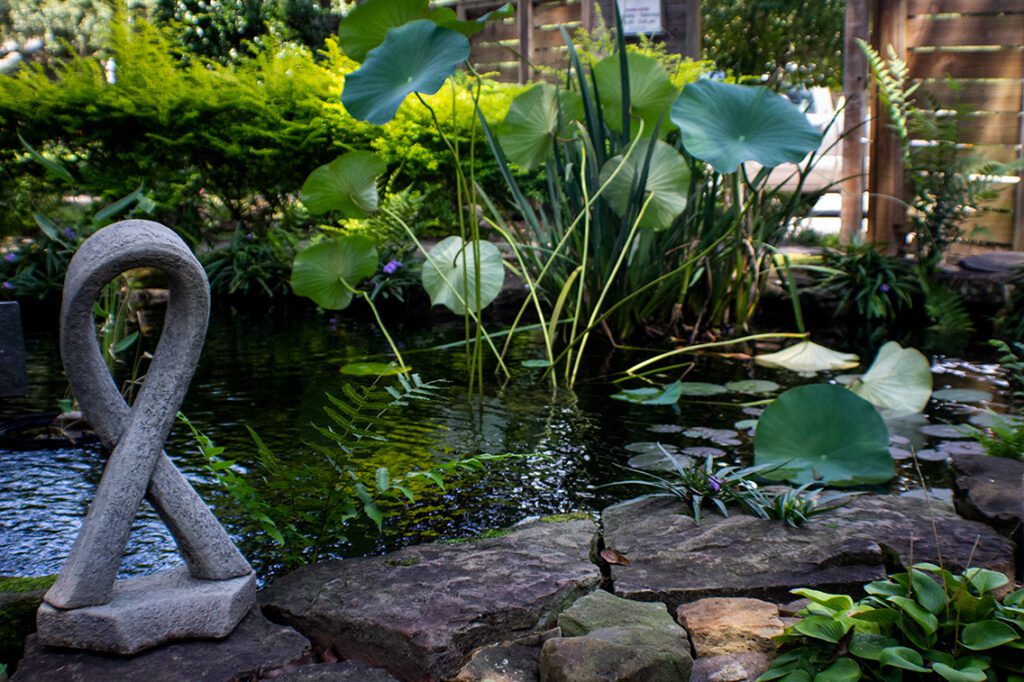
pixel 416 57
pixel 944 431
pixel 650 92
pixel 900 379
pixel 449 275
pixel 825 433
pixel 536 363
pixel 701 388
pixel 614 557
pixel 726 125
pixel 745 425
pixel 372 369
pixel 668 180
pixel 808 356
pixel 348 185
pixel 327 271
pixel 651 395
pixel 753 386
pixel 660 460
pixel 962 395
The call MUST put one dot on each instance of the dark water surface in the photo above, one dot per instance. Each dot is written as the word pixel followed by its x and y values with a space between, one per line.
pixel 269 369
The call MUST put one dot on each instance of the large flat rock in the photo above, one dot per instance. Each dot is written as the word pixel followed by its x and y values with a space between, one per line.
pixel 421 611
pixel 991 490
pixel 255 647
pixel 675 561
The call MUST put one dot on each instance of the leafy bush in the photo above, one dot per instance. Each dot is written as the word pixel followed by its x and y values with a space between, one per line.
pixel 78 24
pixel 923 624
pixel 870 284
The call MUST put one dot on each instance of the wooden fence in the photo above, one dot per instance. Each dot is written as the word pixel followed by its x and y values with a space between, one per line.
pixel 980 43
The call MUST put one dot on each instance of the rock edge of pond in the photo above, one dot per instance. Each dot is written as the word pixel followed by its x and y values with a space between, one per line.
pixel 538 603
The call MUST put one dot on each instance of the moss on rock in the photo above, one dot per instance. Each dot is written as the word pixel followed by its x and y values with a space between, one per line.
pixel 19 599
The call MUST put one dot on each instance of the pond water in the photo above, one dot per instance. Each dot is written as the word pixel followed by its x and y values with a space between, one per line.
pixel 269 369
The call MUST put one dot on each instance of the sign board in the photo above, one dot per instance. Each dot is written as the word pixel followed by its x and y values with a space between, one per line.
pixel 641 16
pixel 13 379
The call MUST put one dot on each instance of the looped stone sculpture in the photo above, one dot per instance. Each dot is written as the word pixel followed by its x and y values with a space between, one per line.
pixel 208 596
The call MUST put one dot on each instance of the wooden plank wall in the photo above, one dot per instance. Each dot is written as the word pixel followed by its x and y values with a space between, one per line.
pixel 980 43
pixel 515 48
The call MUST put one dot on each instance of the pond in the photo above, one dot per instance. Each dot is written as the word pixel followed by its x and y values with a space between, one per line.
pixel 269 369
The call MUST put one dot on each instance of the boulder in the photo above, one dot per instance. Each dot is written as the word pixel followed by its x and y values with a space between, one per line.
pixel 516 661
pixel 674 561
pixel 609 639
pixel 744 666
pixel 19 599
pixel 343 671
pixel 419 612
pixel 991 490
pixel 255 647
pixel 727 625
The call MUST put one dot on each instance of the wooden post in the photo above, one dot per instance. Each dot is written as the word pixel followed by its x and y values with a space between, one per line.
pixel 886 212
pixel 524 18
pixel 855 83
pixel 587 14
pixel 1018 206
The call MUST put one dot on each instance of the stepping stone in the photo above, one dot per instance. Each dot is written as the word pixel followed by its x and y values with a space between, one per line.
pixel 255 647
pixel 994 261
pixel 729 625
pixel 991 490
pixel 421 611
pixel 343 671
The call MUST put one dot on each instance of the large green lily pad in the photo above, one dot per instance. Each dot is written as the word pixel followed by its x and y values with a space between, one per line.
pixel 365 27
pixel 650 92
pixel 726 125
pixel 808 356
pixel 347 185
pixel 416 57
pixel 527 134
pixel 668 180
pixel 826 433
pixel 322 271
pixel 899 380
pixel 449 275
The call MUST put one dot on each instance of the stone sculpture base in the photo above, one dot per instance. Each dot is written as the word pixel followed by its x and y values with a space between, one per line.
pixel 150 610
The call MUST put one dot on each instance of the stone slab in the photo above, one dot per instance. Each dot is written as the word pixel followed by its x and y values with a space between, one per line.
pixel 675 561
pixel 419 612
pixel 728 625
pixel 13 376
pixel 149 610
pixel 739 667
pixel 342 671
pixel 256 647
pixel 991 490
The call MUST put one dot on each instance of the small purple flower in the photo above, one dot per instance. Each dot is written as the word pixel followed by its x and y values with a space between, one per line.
pixel 11 257
pixel 70 234
pixel 390 268
pixel 884 288
pixel 715 484
pixel 8 286
pixel 250 236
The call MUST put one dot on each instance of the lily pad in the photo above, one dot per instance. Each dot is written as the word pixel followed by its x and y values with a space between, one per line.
pixel 449 274
pixel 347 185
pixel 931 455
pixel 962 395
pixel 962 447
pixel 658 461
pixel 708 433
pixel 415 57
pixel 703 452
pixel 527 135
pixel 726 125
pixel 823 432
pixel 753 386
pixel 668 180
pixel 900 379
pixel 701 389
pixel 988 418
pixel 327 272
pixel 944 431
pixel 650 92
pixel 746 425
pixel 808 356
pixel 536 363
pixel 651 395
pixel 665 428
pixel 365 27
pixel 372 369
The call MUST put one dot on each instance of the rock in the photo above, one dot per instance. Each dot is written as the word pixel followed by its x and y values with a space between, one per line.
pixel 991 490
pixel 517 661
pixel 344 671
pixel 419 612
pixel 737 667
pixel 675 561
pixel 255 647
pixel 19 599
pixel 724 625
pixel 616 640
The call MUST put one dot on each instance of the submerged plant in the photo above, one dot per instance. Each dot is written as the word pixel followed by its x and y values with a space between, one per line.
pixel 926 623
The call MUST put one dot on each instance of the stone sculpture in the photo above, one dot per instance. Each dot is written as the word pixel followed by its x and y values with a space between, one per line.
pixel 86 608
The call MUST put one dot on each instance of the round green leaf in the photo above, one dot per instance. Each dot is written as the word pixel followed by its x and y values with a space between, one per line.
pixel 650 92
pixel 449 275
pixel 953 675
pixel 416 57
pixel 700 389
pixel 726 125
pixel 668 179
pixel 822 627
pixel 365 27
pixel 753 386
pixel 900 380
pixel 322 271
pixel 348 185
pixel 823 432
pixel 843 670
pixel 928 592
pixel 987 634
pixel 527 134
pixel 650 395
pixel 904 658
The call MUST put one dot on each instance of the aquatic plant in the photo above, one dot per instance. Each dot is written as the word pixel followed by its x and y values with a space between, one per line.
pixel 925 623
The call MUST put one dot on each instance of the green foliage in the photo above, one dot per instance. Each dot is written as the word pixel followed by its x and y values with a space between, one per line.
pixel 217 29
pixel 923 624
pixel 870 285
pixel 252 265
pixel 1002 437
pixel 1011 357
pixel 305 506
pixel 699 484
pixel 78 24
pixel 784 43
